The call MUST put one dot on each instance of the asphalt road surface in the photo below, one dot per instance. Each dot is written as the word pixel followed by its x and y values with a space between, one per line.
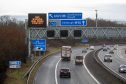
pixel 116 61
pixel 48 73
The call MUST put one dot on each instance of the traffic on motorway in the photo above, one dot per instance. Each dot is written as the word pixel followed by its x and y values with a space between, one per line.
pixel 68 66
pixel 111 58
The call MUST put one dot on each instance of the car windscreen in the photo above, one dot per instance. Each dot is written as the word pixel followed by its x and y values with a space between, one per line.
pixel 107 55
pixel 65 70
pixel 79 57
pixel 124 66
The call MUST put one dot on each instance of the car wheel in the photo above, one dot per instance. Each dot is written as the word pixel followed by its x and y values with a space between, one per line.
pixel 60 76
pixel 69 76
pixel 120 71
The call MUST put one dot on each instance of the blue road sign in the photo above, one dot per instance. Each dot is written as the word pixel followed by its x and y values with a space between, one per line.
pixel 39 45
pixel 73 23
pixel 53 24
pixel 18 62
pixel 85 40
pixel 64 15
pixel 14 64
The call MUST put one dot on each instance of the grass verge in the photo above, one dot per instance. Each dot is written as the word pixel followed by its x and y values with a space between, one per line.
pixel 15 76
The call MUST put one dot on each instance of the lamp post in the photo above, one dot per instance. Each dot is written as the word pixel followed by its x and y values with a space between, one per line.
pixel 96 20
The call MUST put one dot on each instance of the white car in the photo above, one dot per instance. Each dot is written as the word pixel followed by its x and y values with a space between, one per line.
pixel 107 58
pixel 122 68
pixel 91 47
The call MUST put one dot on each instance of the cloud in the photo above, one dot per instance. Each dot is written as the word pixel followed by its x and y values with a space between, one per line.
pixel 108 9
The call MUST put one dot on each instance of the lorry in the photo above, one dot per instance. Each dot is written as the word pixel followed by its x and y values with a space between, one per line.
pixel 66 53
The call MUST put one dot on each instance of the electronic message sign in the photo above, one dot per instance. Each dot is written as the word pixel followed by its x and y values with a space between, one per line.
pixel 37 20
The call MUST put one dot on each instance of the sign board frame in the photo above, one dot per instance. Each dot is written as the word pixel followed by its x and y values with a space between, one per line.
pixel 15 64
pixel 65 15
pixel 73 23
pixel 85 40
pixel 37 20
pixel 39 45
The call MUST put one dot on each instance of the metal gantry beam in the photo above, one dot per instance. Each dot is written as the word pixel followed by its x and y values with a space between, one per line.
pixel 89 32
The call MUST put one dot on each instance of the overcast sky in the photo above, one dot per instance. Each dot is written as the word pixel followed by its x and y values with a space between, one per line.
pixel 107 9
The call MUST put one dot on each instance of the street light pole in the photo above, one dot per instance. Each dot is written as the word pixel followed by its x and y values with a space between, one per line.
pixel 96 20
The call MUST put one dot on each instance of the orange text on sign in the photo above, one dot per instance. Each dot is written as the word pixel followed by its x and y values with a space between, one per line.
pixel 37 20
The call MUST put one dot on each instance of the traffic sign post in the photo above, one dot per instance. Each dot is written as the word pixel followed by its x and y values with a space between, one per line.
pixel 53 24
pixel 73 23
pixel 68 23
pixel 39 45
pixel 14 64
pixel 64 15
pixel 66 19
pixel 85 40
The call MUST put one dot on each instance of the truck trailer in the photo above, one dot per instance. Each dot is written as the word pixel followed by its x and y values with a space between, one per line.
pixel 66 53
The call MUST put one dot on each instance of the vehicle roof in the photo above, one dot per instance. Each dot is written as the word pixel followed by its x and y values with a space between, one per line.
pixel 91 46
pixel 122 65
pixel 79 56
pixel 65 69
pixel 66 46
pixel 108 55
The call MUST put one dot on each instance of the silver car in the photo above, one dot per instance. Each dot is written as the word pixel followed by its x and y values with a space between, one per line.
pixel 107 58
pixel 122 68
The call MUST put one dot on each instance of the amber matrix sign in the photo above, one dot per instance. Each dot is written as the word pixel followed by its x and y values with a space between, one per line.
pixel 37 20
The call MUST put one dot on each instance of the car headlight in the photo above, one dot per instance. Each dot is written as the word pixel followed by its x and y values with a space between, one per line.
pixel 121 69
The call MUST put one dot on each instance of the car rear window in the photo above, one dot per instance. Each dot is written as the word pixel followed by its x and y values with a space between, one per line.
pixel 79 57
pixel 66 70
pixel 107 55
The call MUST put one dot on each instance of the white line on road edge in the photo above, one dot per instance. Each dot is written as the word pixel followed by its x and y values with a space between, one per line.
pixel 89 71
pixel 56 71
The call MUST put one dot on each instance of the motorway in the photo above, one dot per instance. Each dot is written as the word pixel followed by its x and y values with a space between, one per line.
pixel 116 60
pixel 48 73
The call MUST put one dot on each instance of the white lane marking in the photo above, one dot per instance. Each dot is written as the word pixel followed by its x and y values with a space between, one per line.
pixel 56 71
pixel 89 71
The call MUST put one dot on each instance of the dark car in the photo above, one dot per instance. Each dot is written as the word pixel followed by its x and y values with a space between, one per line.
pixel 79 60
pixel 107 58
pixel 111 45
pixel 114 48
pixel 111 52
pixel 65 73
pixel 84 51
pixel 122 68
pixel 104 49
pixel 108 48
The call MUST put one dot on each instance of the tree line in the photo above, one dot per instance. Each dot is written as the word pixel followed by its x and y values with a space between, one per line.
pixel 12 43
pixel 104 23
